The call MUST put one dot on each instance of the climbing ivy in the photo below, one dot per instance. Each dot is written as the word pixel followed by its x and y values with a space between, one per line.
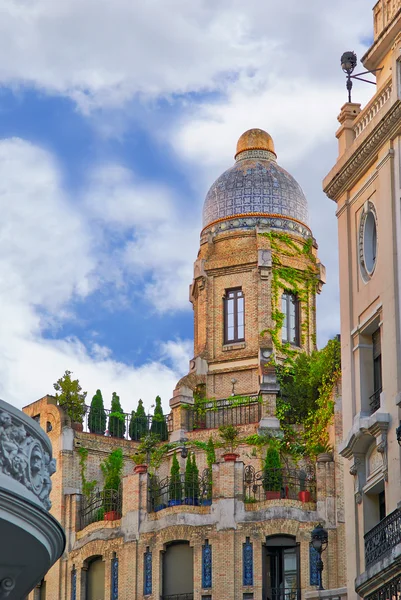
pixel 301 283
pixel 87 486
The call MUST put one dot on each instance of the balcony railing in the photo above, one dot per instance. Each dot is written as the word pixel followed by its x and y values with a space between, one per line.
pixel 178 597
pixel 127 427
pixel 270 484
pixel 283 594
pixel 176 491
pixel 380 540
pixel 102 505
pixel 374 401
pixel 213 414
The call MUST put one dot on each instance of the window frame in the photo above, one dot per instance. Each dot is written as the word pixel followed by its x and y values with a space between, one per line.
pixel 290 295
pixel 238 294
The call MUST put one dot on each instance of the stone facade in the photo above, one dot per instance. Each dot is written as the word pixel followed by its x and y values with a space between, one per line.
pixel 365 184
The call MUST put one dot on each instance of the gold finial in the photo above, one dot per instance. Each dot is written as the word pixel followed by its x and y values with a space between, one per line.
pixel 255 139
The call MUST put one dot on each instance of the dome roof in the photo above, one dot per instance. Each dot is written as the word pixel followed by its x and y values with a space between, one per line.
pixel 256 185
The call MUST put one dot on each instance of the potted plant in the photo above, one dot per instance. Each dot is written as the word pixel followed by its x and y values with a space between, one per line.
pixel 303 494
pixel 272 474
pixel 116 418
pixel 229 435
pixel 159 425
pixel 97 415
pixel 175 486
pixel 211 460
pixel 191 482
pixel 112 468
pixel 71 398
pixel 155 494
pixel 138 426
pixel 324 451
pixel 139 459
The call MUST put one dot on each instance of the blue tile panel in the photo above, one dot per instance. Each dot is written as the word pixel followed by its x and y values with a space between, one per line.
pixel 255 185
pixel 74 584
pixel 206 565
pixel 247 563
pixel 114 578
pixel 147 587
pixel 313 572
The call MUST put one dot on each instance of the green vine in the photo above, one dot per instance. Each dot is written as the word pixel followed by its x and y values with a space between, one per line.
pixel 87 486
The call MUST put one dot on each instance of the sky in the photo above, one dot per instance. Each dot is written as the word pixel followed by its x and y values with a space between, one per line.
pixel 115 119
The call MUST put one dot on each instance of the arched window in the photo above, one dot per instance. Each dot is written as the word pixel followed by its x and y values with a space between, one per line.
pixel 290 310
pixel 234 316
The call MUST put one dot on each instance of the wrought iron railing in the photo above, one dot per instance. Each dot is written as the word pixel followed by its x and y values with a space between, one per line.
pixel 270 484
pixel 374 401
pixel 380 540
pixel 173 491
pixel 127 426
pixel 391 589
pixel 281 593
pixel 212 415
pixel 178 597
pixel 101 505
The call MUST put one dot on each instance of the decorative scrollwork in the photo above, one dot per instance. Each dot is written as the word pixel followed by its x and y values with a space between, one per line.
pixel 23 458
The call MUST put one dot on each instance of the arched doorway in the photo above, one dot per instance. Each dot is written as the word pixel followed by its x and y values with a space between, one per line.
pixel 95 579
pixel 281 568
pixel 178 571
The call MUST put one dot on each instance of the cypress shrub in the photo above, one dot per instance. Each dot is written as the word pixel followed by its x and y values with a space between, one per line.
pixel 175 489
pixel 138 427
pixel 272 474
pixel 117 418
pixel 159 425
pixel 97 415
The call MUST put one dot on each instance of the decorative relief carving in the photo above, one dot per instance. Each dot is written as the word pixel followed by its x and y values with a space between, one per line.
pixel 355 472
pixel 375 461
pixel 23 458
pixel 263 221
pixel 382 449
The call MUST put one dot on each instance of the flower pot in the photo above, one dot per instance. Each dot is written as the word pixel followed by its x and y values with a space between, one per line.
pixel 304 496
pixel 207 502
pixel 174 502
pixel 160 507
pixel 141 469
pixel 112 515
pixel 191 501
pixel 273 495
pixel 230 456
pixel 77 426
pixel 324 457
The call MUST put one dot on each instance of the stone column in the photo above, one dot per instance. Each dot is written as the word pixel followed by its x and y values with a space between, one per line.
pixel 345 134
pixel 182 398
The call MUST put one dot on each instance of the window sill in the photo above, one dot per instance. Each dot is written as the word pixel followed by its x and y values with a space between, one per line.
pixel 234 346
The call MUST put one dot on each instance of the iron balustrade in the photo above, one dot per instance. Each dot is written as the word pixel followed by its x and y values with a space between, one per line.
pixel 391 589
pixel 380 540
pixel 129 427
pixel 176 491
pixel 178 597
pixel 269 484
pixel 283 594
pixel 212 415
pixel 374 401
pixel 101 505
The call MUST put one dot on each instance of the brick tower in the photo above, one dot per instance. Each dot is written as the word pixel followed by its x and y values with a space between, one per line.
pixel 255 279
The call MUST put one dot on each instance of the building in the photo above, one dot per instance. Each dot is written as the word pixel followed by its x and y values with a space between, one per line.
pixel 32 539
pixel 365 184
pixel 239 537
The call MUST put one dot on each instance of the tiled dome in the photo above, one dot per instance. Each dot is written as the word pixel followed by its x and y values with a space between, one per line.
pixel 255 185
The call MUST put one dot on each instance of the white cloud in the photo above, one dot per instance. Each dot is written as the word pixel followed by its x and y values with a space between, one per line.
pixel 103 53
pixel 47 259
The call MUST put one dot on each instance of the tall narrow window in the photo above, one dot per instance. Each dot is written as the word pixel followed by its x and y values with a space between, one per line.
pixel 377 372
pixel 234 316
pixel 290 310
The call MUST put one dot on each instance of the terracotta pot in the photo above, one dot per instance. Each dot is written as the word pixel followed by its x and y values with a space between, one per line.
pixel 112 515
pixel 141 469
pixel 273 495
pixel 304 496
pixel 77 426
pixel 230 456
pixel 324 457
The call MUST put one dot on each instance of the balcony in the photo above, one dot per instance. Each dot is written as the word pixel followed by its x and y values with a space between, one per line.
pixel 215 413
pixel 32 538
pixel 130 427
pixel 163 493
pixel 380 540
pixel 274 484
pixel 105 505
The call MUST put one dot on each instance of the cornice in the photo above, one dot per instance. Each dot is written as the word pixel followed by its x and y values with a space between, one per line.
pixel 364 154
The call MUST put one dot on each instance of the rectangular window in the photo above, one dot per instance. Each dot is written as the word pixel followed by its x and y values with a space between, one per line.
pixel 290 310
pixel 234 316
pixel 382 505
pixel 377 372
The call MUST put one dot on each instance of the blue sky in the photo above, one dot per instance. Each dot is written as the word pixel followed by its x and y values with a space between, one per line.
pixel 114 121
